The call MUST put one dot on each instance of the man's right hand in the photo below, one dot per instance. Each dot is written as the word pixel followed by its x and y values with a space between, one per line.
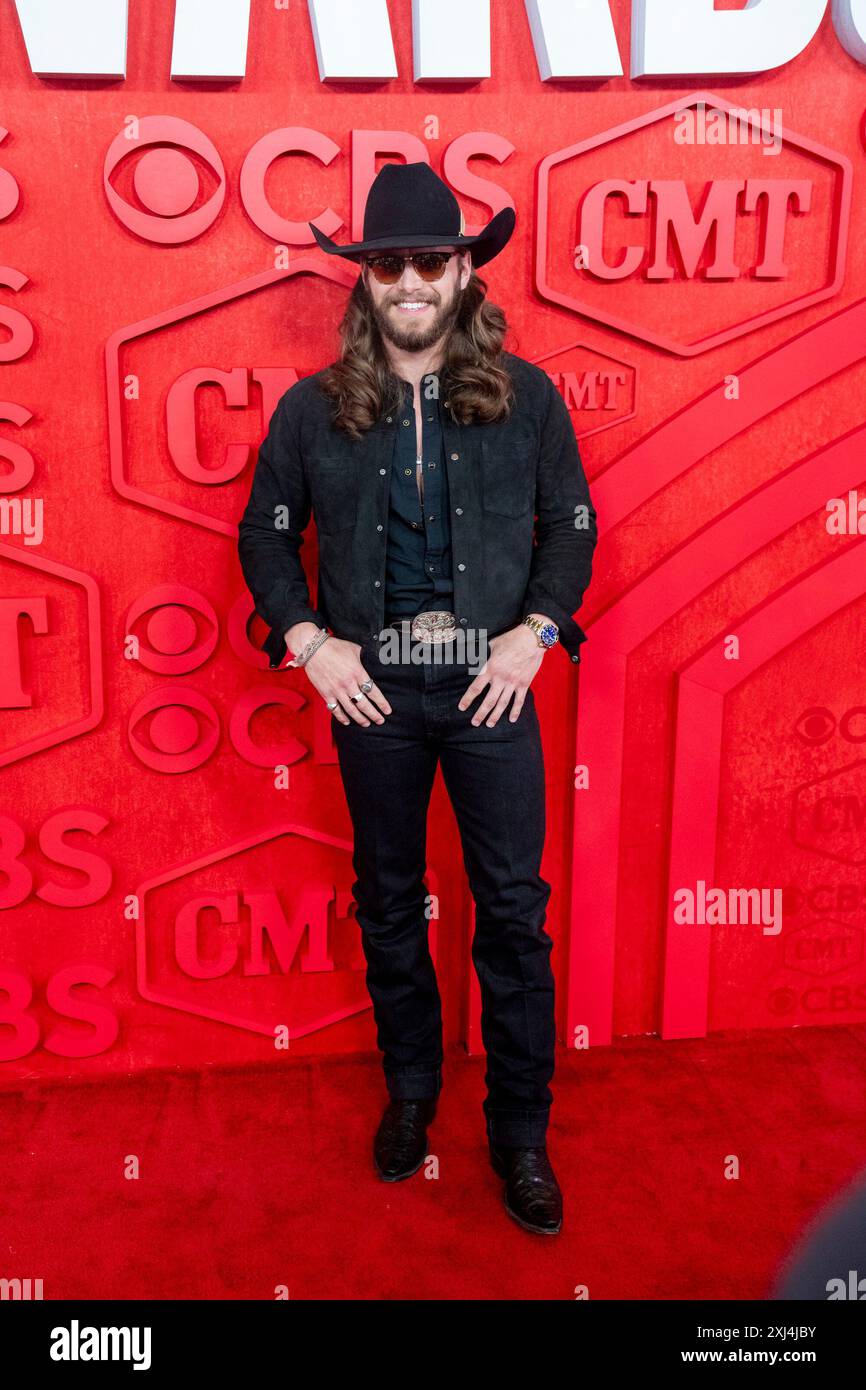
pixel 336 672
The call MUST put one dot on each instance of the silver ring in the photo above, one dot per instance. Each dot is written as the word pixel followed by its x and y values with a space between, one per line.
pixel 356 698
pixel 332 704
pixel 368 685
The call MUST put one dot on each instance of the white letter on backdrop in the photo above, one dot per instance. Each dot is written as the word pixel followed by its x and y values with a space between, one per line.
pixel 74 38
pixel 353 40
pixel 210 40
pixel 690 37
pixel 451 40
pixel 573 38
pixel 849 19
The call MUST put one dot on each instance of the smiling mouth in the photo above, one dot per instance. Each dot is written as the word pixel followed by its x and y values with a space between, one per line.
pixel 410 306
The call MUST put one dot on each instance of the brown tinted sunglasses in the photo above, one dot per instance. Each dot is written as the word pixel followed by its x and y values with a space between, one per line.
pixel 430 265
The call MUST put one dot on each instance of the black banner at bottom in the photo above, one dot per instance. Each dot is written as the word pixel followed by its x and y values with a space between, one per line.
pixel 63 1338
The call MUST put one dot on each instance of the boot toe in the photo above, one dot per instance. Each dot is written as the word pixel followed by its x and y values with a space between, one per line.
pixel 400 1145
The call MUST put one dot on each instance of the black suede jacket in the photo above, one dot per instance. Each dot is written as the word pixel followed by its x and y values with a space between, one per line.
pixel 523 527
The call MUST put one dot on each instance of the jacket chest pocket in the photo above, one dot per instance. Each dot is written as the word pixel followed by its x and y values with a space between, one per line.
pixel 508 474
pixel 334 491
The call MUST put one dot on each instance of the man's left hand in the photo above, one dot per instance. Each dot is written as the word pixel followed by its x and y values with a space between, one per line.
pixel 515 656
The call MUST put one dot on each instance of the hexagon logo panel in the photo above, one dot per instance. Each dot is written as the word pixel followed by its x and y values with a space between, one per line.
pixel 599 390
pixel 51 677
pixel 829 815
pixel 824 948
pixel 258 935
pixel 191 390
pixel 628 236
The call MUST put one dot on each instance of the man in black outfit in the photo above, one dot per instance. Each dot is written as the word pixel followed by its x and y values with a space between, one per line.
pixel 452 512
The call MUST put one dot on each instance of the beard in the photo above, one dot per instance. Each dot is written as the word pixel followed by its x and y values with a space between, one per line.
pixel 417 337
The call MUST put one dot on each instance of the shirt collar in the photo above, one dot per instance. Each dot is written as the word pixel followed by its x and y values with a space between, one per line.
pixel 428 376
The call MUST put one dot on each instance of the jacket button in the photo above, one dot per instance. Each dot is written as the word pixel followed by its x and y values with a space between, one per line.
pixel 377 584
pixel 462 622
pixel 382 471
pixel 455 456
pixel 378 528
pixel 405 422
pixel 388 418
pixel 458 511
pixel 461 567
pixel 575 658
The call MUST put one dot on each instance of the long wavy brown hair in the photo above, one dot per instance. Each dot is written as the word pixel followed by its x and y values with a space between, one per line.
pixel 472 378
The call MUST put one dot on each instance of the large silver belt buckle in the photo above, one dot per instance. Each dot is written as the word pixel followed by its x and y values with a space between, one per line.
pixel 434 626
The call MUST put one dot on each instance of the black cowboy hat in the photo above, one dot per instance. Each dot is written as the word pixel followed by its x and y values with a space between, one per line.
pixel 409 205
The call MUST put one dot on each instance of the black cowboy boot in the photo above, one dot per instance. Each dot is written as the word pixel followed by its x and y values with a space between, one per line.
pixel 400 1146
pixel 532 1194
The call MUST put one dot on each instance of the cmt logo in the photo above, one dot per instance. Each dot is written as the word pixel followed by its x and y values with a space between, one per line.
pixel 632 209
pixel 598 390
pixel 49 626
pixel 824 948
pixel 829 815
pixel 159 458
pixel 259 935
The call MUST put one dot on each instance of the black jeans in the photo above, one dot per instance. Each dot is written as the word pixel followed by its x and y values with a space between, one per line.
pixel 495 781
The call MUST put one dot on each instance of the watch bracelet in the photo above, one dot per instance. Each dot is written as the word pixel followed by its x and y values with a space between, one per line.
pixel 536 625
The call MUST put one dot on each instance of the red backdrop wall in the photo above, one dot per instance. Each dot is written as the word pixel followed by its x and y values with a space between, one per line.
pixel 167 898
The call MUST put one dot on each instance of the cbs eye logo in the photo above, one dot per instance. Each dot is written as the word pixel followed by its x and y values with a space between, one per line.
pixel 165 181
pixel 817 725
pixel 175 164
pixel 173 630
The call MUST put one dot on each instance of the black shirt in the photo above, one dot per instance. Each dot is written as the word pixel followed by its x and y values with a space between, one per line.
pixel 418 556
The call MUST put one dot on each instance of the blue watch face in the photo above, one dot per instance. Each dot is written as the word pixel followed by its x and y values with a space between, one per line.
pixel 549 635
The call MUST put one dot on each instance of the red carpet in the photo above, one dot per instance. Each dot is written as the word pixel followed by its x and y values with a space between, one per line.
pixel 257 1178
